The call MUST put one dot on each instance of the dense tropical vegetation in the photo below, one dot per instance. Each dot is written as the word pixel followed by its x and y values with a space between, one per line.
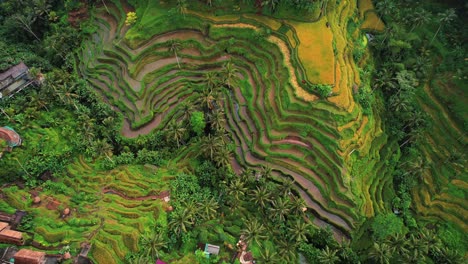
pixel 219 104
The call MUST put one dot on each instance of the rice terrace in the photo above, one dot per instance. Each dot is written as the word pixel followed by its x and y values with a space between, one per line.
pixel 233 131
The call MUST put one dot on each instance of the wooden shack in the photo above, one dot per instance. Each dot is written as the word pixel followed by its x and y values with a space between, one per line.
pixel 14 80
pixel 26 256
pixel 11 237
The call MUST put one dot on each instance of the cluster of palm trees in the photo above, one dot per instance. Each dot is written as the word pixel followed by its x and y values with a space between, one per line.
pixel 413 248
pixel 214 143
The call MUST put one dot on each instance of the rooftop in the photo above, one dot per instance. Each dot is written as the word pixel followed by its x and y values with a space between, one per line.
pixel 14 71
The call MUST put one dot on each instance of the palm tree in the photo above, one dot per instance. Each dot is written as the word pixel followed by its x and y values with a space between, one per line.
pixel 207 96
pixel 385 7
pixel 253 231
pixel 451 256
pixel 209 145
pixel 182 7
pixel 287 250
pixel 236 189
pixel 420 17
pixel 208 208
pixel 187 110
pixel 102 147
pixel 380 253
pixel 286 187
pixel 211 79
pixel 398 245
pixel 281 208
pixel 268 256
pixel 175 47
pixel 25 21
pixel 175 131
pixel 328 256
pixel 271 3
pixel 217 120
pixel 444 18
pixel 153 244
pixel 261 196
pixel 41 8
pixel 140 259
pixel 298 231
pixel 298 205
pixel 223 157
pixel 417 167
pixel 192 209
pixel 180 221
pixel 229 73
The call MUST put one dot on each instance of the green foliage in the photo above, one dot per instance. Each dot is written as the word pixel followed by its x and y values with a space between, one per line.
pixel 453 237
pixel 385 225
pixel 323 90
pixel 197 121
pixel 131 18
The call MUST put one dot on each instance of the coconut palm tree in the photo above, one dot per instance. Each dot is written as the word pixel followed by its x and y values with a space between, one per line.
pixel 445 18
pixel 280 209
pixel 223 157
pixel 451 256
pixel 287 251
pixel 206 98
pixel 210 145
pixel 286 187
pixel 175 47
pixel 208 208
pixel 420 17
pixel 180 221
pixel 229 73
pixel 217 120
pixel 298 205
pixel 236 189
pixel 153 244
pixel 298 231
pixel 187 109
pixel 328 256
pixel 385 7
pixel 398 245
pixel 175 132
pixel 273 4
pixel 102 147
pixel 268 256
pixel 261 196
pixel 211 79
pixel 182 7
pixel 380 253
pixel 253 231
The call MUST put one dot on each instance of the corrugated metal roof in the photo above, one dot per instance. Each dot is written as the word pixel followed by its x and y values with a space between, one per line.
pixel 14 71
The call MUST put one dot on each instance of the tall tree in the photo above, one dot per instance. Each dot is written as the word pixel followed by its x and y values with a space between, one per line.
pixel 175 131
pixel 328 256
pixel 380 253
pixel 152 244
pixel 254 231
pixel 445 18
pixel 175 47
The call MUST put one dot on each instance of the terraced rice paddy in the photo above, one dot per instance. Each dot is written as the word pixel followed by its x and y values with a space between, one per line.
pixel 442 193
pixel 98 202
pixel 272 117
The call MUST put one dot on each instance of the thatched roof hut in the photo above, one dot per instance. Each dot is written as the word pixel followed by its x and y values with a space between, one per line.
pixel 26 256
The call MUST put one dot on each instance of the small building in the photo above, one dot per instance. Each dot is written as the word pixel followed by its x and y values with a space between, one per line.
pixel 14 80
pixel 11 237
pixel 10 136
pixel 26 256
pixel 212 249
